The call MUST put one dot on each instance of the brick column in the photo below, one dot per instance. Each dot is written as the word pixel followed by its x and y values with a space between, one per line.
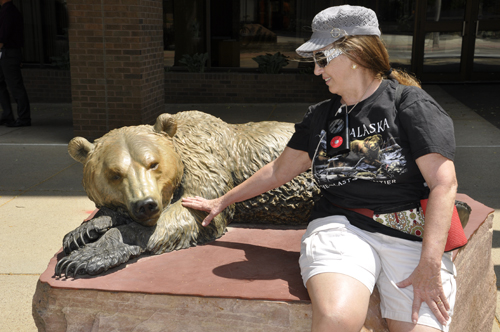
pixel 116 54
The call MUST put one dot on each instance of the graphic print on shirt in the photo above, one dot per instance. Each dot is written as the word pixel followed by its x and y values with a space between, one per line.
pixel 372 158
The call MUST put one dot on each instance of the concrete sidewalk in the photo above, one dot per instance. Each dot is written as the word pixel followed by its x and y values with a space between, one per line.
pixel 41 196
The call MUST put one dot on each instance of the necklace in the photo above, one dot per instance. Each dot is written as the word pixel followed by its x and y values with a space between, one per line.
pixel 349 111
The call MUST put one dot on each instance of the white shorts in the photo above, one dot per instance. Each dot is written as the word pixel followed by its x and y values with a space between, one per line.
pixel 332 244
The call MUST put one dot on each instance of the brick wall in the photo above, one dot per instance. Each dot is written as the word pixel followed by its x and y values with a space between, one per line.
pixel 47 85
pixel 116 55
pixel 243 88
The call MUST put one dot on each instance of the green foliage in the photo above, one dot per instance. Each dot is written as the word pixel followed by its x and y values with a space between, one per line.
pixel 195 63
pixel 271 64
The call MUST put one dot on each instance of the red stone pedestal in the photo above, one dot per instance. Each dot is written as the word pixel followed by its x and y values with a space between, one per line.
pixel 248 280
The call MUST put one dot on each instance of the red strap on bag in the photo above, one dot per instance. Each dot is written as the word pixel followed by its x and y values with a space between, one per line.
pixel 456 234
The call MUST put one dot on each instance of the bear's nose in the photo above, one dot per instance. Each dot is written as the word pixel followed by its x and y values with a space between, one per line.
pixel 146 208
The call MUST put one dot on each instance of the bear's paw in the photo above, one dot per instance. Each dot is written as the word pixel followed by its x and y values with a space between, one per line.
pixel 97 257
pixel 86 233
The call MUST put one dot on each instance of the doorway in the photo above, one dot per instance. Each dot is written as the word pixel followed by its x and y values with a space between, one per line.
pixel 457 40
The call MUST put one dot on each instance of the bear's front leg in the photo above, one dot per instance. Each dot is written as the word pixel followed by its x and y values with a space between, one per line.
pixel 92 230
pixel 97 257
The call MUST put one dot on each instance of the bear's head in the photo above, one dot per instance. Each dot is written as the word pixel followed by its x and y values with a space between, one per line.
pixel 132 169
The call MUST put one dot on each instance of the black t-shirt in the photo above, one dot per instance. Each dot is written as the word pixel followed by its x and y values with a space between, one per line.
pixel 379 172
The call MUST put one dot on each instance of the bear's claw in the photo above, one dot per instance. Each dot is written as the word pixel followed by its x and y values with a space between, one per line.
pixel 60 266
pixel 76 243
pixel 82 240
pixel 80 267
pixel 69 268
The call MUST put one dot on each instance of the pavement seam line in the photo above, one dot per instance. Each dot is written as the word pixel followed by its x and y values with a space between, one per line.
pixel 39 183
pixel 272 111
pixel 478 146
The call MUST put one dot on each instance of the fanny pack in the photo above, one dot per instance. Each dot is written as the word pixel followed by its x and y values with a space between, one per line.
pixel 412 221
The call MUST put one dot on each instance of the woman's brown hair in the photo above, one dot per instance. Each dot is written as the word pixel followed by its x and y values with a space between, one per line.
pixel 370 52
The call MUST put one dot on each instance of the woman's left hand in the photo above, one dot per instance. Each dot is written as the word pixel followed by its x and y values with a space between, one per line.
pixel 428 288
pixel 439 174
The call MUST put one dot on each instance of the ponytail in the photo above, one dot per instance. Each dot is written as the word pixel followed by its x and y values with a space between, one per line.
pixel 404 78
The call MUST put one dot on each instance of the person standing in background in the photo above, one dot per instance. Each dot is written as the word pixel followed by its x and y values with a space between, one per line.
pixel 11 44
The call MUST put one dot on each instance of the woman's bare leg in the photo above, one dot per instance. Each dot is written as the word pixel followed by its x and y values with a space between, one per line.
pixel 339 302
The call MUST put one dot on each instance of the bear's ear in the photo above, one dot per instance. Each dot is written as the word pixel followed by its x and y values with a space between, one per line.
pixel 166 123
pixel 79 149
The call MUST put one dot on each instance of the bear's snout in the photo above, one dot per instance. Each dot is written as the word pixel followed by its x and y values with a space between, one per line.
pixel 144 210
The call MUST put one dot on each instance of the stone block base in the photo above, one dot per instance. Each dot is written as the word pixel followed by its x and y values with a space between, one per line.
pixel 248 280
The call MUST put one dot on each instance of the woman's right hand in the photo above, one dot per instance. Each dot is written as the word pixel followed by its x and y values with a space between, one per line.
pixel 212 206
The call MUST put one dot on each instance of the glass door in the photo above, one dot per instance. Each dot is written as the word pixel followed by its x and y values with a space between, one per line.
pixel 457 40
pixel 486 57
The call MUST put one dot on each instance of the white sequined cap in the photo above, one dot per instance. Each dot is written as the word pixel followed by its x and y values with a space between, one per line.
pixel 334 23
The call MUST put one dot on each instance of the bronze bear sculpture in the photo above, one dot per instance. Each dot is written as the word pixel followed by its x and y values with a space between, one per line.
pixel 138 175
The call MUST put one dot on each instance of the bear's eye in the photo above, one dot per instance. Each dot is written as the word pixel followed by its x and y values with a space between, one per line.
pixel 153 166
pixel 116 177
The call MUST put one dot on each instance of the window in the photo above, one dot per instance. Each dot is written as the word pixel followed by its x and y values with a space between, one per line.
pixel 234 32
pixel 45 32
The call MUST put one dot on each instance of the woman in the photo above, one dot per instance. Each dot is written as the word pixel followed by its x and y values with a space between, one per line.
pixel 369 151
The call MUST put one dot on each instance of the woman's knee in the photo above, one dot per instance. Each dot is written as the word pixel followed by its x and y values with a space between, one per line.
pixel 339 302
pixel 338 319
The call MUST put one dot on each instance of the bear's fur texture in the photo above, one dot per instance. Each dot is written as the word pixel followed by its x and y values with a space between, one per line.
pixel 138 175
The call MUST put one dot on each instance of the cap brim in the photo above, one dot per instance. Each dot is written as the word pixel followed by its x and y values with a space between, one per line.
pixel 306 50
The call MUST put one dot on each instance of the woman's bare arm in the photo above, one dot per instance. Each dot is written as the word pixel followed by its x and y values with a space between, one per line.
pixel 288 165
pixel 439 174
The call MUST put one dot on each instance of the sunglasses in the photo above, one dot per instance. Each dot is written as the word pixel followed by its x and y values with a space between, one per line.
pixel 323 58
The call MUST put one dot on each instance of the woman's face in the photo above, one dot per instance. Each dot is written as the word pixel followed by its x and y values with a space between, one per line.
pixel 337 74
